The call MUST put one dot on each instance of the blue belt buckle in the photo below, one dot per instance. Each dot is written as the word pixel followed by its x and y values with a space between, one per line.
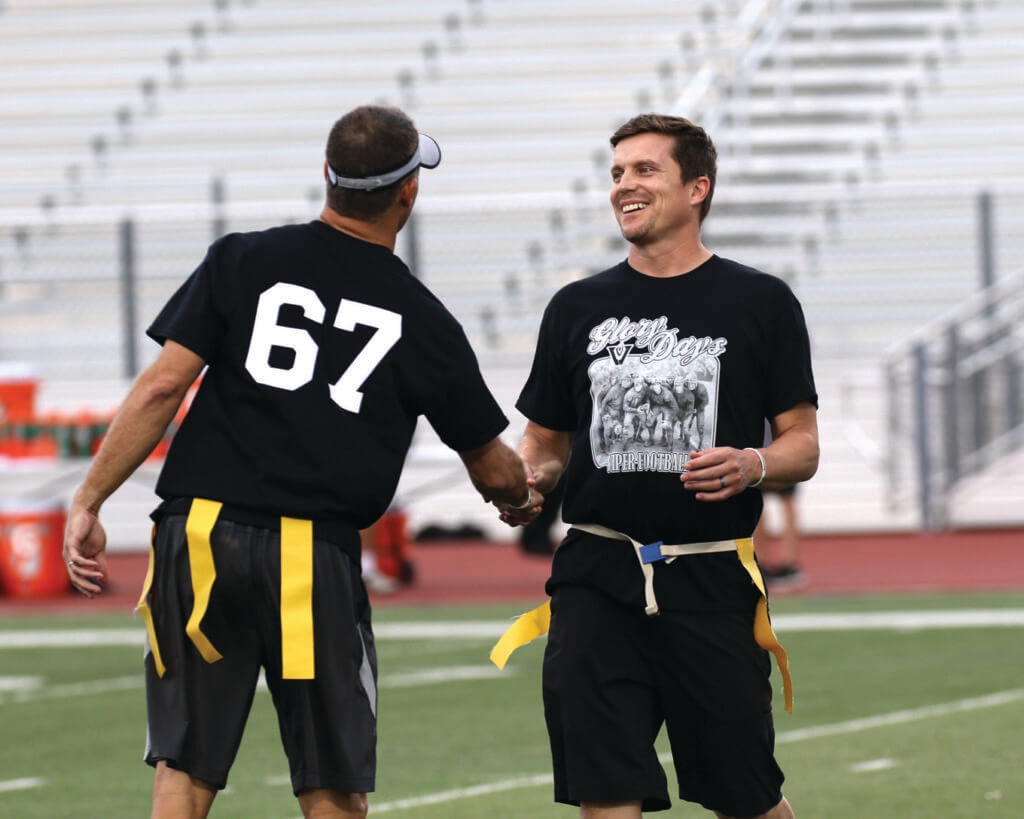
pixel 651 553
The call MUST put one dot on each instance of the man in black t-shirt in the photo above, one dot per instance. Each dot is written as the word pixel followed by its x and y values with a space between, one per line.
pixel 657 612
pixel 320 352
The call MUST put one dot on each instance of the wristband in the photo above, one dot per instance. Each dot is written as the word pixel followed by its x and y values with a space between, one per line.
pixel 527 505
pixel 764 467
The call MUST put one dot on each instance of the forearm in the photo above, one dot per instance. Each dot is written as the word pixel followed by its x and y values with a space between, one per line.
pixel 546 452
pixel 792 456
pixel 138 426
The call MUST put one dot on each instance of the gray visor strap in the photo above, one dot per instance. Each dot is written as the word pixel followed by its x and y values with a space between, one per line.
pixel 371 183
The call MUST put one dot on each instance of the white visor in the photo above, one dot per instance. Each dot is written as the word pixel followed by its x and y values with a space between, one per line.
pixel 427 155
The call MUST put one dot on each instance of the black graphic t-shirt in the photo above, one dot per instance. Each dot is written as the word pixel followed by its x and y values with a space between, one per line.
pixel 642 371
pixel 323 350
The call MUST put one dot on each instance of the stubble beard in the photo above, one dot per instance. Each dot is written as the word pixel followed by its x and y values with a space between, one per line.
pixel 635 235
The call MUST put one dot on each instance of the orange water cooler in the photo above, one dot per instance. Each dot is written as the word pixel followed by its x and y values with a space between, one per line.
pixel 18 386
pixel 31 550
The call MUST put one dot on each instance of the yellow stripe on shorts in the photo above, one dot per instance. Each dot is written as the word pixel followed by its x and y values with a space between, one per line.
pixel 297 599
pixel 143 608
pixel 201 519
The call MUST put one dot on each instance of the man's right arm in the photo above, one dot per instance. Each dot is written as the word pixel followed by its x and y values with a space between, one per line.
pixel 546 453
pixel 136 429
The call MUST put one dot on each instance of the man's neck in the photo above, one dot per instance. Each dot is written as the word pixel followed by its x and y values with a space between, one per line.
pixel 665 261
pixel 382 232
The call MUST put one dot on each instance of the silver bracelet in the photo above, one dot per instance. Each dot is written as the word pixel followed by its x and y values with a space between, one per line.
pixel 764 466
pixel 527 505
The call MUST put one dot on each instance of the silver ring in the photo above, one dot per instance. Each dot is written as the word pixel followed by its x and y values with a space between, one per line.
pixel 722 481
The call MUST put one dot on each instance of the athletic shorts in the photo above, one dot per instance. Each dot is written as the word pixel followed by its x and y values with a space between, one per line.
pixel 197 710
pixel 613 676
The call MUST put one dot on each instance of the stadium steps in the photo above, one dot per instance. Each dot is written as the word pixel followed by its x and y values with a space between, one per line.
pixel 869 261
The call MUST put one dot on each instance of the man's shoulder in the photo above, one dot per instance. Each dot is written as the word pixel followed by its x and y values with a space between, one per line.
pixel 257 245
pixel 589 285
pixel 275 233
pixel 731 267
pixel 742 278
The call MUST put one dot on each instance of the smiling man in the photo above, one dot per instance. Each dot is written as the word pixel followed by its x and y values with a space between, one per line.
pixel 658 613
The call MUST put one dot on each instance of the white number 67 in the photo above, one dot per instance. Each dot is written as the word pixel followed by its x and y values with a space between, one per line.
pixel 267 334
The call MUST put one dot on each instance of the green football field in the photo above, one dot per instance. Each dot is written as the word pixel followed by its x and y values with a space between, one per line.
pixel 905 707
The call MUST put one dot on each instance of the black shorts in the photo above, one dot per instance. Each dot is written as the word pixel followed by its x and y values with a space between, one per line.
pixel 197 710
pixel 613 676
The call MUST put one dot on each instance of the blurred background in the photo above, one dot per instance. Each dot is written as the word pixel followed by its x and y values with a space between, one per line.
pixel 871 154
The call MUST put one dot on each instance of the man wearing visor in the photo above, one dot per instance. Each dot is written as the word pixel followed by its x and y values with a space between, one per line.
pixel 321 350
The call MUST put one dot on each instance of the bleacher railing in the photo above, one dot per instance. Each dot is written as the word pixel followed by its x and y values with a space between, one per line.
pixel 954 398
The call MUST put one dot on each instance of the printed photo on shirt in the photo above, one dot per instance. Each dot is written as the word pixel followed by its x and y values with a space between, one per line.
pixel 655 396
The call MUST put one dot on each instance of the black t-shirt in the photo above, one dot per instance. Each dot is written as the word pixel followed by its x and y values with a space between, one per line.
pixel 642 370
pixel 323 350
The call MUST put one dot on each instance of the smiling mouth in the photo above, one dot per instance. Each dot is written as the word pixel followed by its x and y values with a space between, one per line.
pixel 635 206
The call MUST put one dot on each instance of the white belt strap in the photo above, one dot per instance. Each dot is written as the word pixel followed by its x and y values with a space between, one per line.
pixel 656 551
pixel 764 635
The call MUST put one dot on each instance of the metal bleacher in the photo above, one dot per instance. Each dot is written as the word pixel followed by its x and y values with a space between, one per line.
pixel 854 137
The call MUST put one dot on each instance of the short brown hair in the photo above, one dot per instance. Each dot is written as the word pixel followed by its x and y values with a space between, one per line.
pixel 693 150
pixel 369 140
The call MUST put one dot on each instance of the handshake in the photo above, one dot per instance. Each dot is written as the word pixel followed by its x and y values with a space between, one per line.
pixel 513 483
pixel 522 514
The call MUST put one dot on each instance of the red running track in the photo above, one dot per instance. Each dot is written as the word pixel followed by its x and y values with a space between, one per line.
pixel 453 572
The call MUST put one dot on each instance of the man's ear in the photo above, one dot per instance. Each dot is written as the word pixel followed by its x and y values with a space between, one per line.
pixel 699 190
pixel 326 177
pixel 407 195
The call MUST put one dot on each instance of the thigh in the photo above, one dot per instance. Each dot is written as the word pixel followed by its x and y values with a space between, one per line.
pixel 197 709
pixel 717 689
pixel 600 703
pixel 329 723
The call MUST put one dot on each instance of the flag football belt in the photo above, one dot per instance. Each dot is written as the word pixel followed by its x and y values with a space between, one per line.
pixel 296 590
pixel 536 623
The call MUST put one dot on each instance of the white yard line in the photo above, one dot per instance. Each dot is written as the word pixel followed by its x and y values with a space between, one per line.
pixel 72 638
pixel 491 629
pixel 872 765
pixel 35 693
pixel 462 793
pixel 901 717
pixel 19 683
pixel 31 689
pixel 900 620
pixel 23 784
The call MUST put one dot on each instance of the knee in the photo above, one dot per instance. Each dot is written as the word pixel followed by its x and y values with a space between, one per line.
pixel 327 804
pixel 780 811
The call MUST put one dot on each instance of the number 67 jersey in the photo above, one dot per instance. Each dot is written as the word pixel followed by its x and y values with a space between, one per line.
pixel 322 352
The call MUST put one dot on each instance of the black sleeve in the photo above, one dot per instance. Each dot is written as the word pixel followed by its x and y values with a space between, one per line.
pixel 460 407
pixel 546 398
pixel 790 377
pixel 191 317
